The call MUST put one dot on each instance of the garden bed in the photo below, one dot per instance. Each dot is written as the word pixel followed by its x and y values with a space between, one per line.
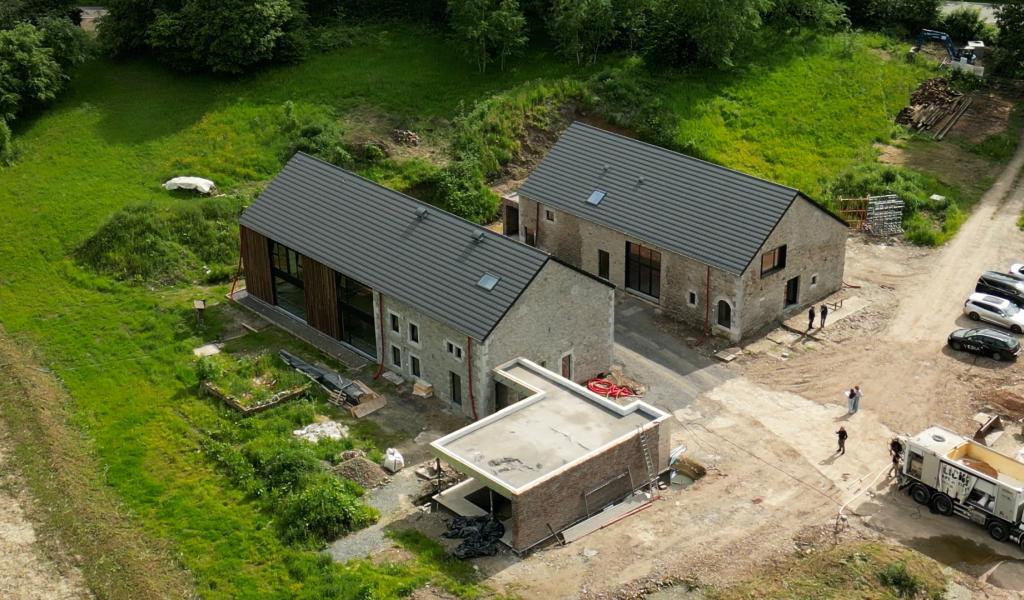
pixel 250 383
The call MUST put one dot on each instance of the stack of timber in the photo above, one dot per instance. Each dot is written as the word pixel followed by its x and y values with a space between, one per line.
pixel 934 107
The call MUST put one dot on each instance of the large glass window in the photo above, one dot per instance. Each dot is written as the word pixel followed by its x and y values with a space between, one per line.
pixel 643 270
pixel 355 315
pixel 286 268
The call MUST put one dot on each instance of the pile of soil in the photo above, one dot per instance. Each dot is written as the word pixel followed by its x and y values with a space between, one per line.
pixel 1012 403
pixel 360 470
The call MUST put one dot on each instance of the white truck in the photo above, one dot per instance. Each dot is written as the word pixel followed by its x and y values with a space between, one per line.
pixel 956 475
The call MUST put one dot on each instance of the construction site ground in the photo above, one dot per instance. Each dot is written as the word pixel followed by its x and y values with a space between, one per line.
pixel 764 426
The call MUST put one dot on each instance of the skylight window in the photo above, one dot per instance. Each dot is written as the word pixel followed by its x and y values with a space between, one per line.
pixel 488 281
pixel 595 198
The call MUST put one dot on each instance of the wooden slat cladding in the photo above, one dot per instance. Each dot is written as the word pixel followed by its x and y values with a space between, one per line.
pixel 256 259
pixel 321 297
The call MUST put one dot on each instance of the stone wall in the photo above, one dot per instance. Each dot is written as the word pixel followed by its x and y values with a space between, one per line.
pixel 578 241
pixel 562 312
pixel 436 363
pixel 815 252
pixel 559 501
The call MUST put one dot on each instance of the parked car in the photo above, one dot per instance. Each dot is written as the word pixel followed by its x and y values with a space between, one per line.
pixel 1002 312
pixel 1017 271
pixel 987 342
pixel 1004 286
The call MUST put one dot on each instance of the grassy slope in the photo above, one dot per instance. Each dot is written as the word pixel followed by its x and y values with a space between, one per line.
pixel 801 112
pixel 122 352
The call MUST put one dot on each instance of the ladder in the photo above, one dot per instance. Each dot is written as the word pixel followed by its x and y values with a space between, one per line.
pixel 648 462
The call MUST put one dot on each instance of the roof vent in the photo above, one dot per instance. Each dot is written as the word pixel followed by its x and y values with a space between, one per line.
pixel 605 169
pixel 488 281
pixel 595 198
pixel 421 212
pixel 478 237
pixel 938 438
pixel 640 180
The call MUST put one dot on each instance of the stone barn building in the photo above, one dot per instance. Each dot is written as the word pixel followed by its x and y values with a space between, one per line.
pixel 719 250
pixel 352 266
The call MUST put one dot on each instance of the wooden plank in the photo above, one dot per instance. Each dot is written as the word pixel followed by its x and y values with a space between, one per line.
pixel 321 297
pixel 256 260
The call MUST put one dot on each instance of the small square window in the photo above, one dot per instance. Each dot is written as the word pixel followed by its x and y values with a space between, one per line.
pixel 814 279
pixel 414 333
pixel 458 353
pixel 396 356
pixel 450 347
pixel 549 214
pixel 692 298
pixel 414 365
pixel 488 281
pixel 395 324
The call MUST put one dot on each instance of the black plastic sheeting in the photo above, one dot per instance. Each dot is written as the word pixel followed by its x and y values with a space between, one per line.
pixel 480 536
pixel 329 380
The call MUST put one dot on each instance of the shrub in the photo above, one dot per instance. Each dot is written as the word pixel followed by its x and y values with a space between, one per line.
pixel 460 189
pixel 143 243
pixel 209 368
pixel 1009 52
pixel 315 132
pixel 902 582
pixel 625 96
pixel 963 24
pixel 325 509
pixel 489 30
pixel 281 464
pixel 28 72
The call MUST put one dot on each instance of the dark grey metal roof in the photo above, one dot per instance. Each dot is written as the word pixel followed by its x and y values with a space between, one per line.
pixel 715 215
pixel 372 234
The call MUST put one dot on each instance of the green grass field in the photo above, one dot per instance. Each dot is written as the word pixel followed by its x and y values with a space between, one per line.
pixel 123 351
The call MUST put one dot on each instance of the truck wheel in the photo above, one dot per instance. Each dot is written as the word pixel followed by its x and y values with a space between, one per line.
pixel 920 493
pixel 998 530
pixel 942 504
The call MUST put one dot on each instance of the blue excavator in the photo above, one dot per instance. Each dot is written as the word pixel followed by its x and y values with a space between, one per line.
pixel 955 54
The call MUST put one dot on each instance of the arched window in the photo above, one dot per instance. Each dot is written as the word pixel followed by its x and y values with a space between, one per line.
pixel 724 314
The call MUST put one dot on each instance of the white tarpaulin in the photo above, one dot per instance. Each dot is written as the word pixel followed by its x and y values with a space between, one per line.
pixel 203 186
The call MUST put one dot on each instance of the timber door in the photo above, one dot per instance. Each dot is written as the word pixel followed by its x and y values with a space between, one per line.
pixel 792 291
pixel 511 220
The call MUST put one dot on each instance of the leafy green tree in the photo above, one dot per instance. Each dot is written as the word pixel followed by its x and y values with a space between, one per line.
pixel 1009 51
pixel 490 30
pixel 69 44
pixel 705 32
pixel 30 11
pixel 794 14
pixel 909 15
pixel 6 144
pixel 125 26
pixel 582 27
pixel 28 72
pixel 223 36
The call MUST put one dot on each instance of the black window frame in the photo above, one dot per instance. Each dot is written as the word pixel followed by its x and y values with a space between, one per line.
pixel 286 266
pixel 549 215
pixel 395 322
pixel 643 270
pixel 415 367
pixel 396 356
pixel 776 258
pixel 604 261
pixel 347 290
pixel 414 333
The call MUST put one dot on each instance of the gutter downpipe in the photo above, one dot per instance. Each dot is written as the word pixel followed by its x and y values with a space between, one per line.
pixel 380 317
pixel 469 374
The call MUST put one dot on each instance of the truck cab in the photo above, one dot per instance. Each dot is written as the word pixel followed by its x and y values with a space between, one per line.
pixel 956 475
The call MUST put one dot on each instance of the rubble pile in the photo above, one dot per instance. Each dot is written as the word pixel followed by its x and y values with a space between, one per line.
pixel 362 471
pixel 314 432
pixel 404 137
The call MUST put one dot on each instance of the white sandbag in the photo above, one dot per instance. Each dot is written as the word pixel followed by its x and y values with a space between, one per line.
pixel 393 460
pixel 203 186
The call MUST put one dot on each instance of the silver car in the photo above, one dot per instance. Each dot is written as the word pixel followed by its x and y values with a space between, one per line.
pixel 982 307
pixel 1016 270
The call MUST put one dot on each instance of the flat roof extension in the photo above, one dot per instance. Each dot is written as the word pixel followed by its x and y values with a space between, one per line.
pixel 558 424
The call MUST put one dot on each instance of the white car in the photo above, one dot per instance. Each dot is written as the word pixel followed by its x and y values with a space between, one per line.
pixel 982 307
pixel 1017 271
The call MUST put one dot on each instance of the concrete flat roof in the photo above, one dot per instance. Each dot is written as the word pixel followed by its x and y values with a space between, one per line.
pixel 557 424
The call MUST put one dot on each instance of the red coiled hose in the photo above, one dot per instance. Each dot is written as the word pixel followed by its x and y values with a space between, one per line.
pixel 608 389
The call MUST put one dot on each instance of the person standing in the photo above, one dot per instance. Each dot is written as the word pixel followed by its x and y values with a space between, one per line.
pixel 896 451
pixel 855 399
pixel 841 434
pixel 824 315
pixel 810 319
pixel 850 395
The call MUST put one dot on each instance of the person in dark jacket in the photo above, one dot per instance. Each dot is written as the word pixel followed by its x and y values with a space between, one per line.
pixel 810 319
pixel 824 315
pixel 896 452
pixel 841 434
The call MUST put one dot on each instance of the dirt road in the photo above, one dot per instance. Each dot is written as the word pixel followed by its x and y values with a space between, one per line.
pixel 25 573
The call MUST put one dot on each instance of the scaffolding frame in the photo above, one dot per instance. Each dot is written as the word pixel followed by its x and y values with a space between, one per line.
pixel 876 215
